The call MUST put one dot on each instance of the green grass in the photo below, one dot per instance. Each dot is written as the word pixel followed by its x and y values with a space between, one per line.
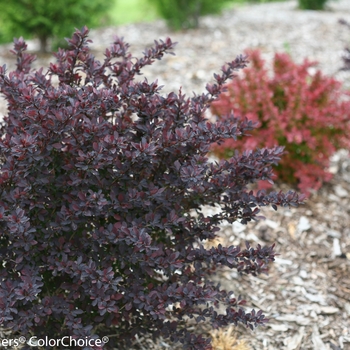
pixel 132 11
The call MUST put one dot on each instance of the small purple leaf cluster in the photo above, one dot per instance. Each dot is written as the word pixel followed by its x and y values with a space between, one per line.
pixel 346 53
pixel 99 178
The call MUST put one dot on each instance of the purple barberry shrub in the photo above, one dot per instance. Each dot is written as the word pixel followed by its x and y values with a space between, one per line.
pixel 103 180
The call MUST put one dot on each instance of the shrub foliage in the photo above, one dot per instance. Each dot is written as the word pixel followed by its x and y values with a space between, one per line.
pixel 306 113
pixel 49 19
pixel 102 185
pixel 185 14
pixel 312 4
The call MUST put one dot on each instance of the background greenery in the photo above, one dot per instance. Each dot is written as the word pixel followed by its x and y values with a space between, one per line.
pixel 131 11
pixel 49 19
pixel 312 4
pixel 58 18
pixel 185 14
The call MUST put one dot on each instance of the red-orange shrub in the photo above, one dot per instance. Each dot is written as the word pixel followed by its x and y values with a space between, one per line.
pixel 307 113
